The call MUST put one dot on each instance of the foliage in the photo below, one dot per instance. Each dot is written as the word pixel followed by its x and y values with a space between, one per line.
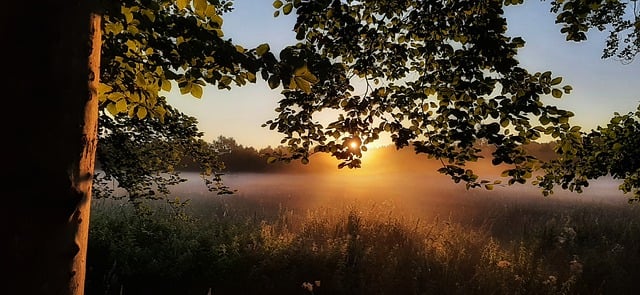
pixel 608 151
pixel 144 156
pixel 620 18
pixel 438 75
pixel 147 47
pixel 546 249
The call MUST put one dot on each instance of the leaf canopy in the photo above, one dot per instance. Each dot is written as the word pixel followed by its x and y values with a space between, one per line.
pixel 438 75
pixel 150 45
pixel 441 76
pixel 621 19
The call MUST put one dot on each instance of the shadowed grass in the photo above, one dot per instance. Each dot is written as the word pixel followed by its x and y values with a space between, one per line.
pixel 236 247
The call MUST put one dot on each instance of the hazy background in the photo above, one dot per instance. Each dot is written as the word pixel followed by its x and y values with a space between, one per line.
pixel 402 180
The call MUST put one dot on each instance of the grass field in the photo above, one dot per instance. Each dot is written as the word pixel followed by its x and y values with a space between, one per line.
pixel 481 245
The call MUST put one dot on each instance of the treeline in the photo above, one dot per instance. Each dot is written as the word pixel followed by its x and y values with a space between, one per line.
pixel 239 158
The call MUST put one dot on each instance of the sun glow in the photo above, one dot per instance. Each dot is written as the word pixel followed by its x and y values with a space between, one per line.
pixel 353 145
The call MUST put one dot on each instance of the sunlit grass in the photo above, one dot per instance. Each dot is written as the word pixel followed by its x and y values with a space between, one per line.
pixel 367 248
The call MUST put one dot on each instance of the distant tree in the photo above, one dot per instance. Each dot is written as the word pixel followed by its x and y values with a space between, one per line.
pixel 239 158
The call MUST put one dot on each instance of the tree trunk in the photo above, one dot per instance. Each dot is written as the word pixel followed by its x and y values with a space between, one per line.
pixel 51 63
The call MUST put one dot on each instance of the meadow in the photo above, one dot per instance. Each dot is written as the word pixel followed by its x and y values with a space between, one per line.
pixel 358 234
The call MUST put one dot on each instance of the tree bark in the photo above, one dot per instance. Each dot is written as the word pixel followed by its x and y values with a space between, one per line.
pixel 51 59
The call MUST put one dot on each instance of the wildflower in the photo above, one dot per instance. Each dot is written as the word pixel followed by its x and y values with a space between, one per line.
pixel 503 264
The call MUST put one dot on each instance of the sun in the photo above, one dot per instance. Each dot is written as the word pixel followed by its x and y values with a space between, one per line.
pixel 353 143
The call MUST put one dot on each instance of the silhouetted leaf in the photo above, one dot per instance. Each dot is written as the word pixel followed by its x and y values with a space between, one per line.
pixel 286 9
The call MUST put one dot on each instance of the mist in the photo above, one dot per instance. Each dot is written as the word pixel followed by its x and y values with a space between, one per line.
pixel 402 180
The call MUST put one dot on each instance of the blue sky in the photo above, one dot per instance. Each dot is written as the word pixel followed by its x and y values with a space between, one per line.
pixel 601 87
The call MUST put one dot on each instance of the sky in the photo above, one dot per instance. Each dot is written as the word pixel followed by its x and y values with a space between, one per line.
pixel 600 87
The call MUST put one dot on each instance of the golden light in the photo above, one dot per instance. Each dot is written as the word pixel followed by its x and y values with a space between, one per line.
pixel 353 145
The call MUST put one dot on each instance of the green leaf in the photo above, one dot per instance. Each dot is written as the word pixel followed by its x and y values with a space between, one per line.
pixel 274 82
pixel 303 79
pixel 196 90
pixel 218 20
pixel 302 84
pixel 311 78
pixel 121 106
pixel 200 6
pixel 271 160
pixel 166 85
pixel 141 113
pixel 182 4
pixel 556 81
pixel 567 89
pixel 160 110
pixel 104 88
pixel 262 49
pixel 563 119
pixel 128 16
pixel 210 12
pixel 224 82
pixel 277 4
pixel 544 120
pixel 112 109
pixel 287 8
pixel 556 93
pixel 185 89
pixel 251 77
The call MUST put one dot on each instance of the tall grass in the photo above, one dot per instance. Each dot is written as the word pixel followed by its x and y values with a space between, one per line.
pixel 498 247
